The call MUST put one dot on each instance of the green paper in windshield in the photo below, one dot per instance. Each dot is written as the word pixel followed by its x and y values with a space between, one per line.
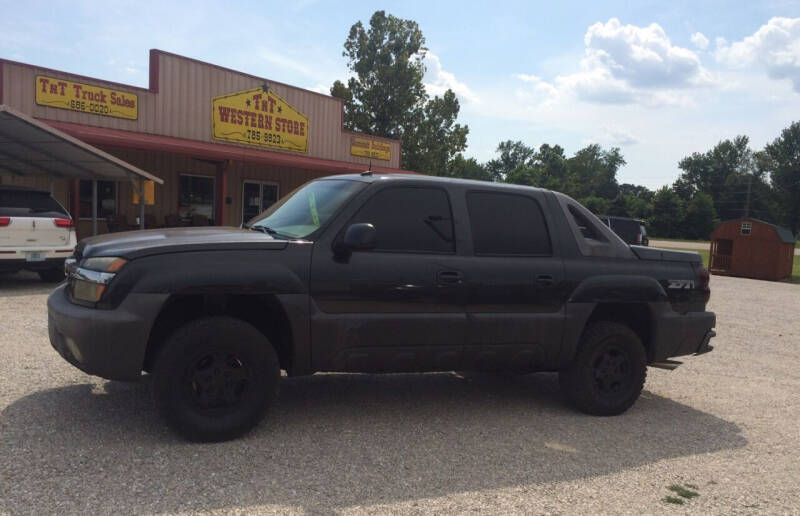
pixel 312 205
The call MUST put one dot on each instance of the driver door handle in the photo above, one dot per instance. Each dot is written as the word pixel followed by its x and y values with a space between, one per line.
pixel 449 277
pixel 545 280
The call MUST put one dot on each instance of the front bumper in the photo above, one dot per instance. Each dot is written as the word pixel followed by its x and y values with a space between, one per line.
pixel 106 343
pixel 677 334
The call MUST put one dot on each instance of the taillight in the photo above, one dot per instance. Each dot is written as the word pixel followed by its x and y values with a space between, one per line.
pixel 639 239
pixel 703 282
pixel 5 221
pixel 63 223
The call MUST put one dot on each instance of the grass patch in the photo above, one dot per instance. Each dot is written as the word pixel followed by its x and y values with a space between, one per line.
pixel 684 491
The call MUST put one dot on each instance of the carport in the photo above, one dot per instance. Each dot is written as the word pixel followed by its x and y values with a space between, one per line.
pixel 29 147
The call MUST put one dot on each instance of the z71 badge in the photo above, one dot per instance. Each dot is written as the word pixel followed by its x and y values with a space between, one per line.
pixel 681 284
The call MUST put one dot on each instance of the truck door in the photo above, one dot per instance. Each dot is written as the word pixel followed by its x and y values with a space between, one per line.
pixel 515 304
pixel 399 306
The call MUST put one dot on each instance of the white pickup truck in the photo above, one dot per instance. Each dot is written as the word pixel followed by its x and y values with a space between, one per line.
pixel 36 233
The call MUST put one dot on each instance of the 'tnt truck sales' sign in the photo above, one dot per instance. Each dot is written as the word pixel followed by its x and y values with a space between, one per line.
pixel 86 98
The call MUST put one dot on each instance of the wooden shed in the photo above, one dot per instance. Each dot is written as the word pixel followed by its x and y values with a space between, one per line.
pixel 751 248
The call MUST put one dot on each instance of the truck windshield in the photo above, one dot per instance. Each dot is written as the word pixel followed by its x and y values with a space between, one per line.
pixel 305 209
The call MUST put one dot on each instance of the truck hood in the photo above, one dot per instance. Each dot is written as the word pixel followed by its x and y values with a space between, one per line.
pixel 134 244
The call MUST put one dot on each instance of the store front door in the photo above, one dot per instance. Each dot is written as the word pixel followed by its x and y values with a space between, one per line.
pixel 257 196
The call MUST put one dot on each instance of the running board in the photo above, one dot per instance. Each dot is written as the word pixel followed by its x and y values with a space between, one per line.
pixel 669 365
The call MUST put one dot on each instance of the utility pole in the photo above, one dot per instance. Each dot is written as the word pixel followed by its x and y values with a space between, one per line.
pixel 747 202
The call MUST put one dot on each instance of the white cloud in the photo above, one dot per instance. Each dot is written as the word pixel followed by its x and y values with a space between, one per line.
pixel 616 136
pixel 626 64
pixel 775 46
pixel 438 81
pixel 700 41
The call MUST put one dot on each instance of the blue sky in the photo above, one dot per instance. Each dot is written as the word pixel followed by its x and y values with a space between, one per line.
pixel 658 79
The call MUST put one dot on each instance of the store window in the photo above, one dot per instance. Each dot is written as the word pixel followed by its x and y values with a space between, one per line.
pixel 257 196
pixel 196 204
pixel 106 199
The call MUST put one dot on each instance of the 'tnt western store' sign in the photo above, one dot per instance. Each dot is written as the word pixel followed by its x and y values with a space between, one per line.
pixel 86 98
pixel 259 117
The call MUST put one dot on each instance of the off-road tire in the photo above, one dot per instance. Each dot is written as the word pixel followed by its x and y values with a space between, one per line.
pixel 608 372
pixel 215 378
pixel 52 275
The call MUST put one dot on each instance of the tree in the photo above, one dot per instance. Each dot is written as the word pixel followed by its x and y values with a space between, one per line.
pixel 784 155
pixel 512 155
pixel 386 96
pixel 430 143
pixel 593 171
pixel 467 169
pixel 700 218
pixel 667 215
pixel 709 173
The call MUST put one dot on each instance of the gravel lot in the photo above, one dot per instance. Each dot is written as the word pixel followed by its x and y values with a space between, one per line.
pixel 727 423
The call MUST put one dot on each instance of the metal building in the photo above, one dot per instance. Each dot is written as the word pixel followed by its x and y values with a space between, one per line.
pixel 751 248
pixel 226 144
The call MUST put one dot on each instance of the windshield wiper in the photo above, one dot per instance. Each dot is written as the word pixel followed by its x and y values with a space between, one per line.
pixel 263 229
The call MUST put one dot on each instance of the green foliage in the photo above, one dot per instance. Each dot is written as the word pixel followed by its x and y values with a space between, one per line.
pixel 700 219
pixel 596 205
pixel 668 214
pixel 467 169
pixel 512 156
pixel 386 96
pixel 709 173
pixel 782 156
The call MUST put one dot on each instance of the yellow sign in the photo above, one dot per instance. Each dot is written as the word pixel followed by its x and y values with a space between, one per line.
pixel 149 193
pixel 86 98
pixel 370 148
pixel 259 117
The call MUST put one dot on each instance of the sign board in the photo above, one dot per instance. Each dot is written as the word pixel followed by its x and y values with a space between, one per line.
pixel 149 193
pixel 86 98
pixel 261 118
pixel 368 148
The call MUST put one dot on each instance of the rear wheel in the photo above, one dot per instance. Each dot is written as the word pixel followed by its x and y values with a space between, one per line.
pixel 215 378
pixel 52 275
pixel 609 370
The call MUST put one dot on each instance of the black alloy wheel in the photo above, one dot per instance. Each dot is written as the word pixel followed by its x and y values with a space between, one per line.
pixel 217 381
pixel 215 378
pixel 608 372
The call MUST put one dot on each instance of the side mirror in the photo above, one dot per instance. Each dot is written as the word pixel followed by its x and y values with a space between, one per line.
pixel 359 237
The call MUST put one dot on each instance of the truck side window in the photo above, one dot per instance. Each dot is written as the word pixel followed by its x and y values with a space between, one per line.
pixel 410 219
pixel 587 228
pixel 507 224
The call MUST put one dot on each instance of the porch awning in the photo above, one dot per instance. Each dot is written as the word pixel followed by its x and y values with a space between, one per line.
pixel 30 147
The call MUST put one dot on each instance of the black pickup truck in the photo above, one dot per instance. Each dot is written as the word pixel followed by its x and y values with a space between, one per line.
pixel 384 273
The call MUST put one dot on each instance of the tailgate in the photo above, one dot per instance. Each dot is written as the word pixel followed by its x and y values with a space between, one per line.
pixel 33 233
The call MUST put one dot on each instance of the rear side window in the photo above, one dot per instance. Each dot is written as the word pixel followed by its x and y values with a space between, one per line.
pixel 25 203
pixel 507 224
pixel 587 229
pixel 410 219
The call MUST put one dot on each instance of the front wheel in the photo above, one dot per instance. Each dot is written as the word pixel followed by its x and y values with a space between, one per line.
pixel 609 370
pixel 215 378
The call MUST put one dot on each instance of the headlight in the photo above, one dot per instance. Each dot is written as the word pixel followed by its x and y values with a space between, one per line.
pixel 90 279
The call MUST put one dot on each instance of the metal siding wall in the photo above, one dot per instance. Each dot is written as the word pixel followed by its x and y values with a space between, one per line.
pixel 182 108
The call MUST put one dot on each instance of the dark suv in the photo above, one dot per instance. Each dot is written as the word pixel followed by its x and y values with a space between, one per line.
pixel 632 231
pixel 377 274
